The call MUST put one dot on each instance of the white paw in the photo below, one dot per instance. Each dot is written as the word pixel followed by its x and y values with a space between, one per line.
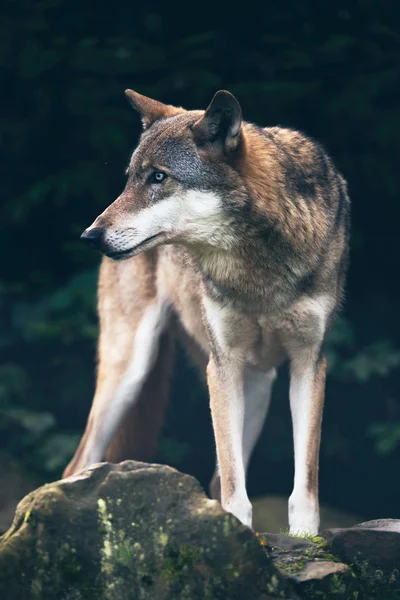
pixel 303 515
pixel 241 508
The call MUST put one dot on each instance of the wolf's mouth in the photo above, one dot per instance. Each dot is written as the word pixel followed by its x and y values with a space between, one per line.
pixel 132 251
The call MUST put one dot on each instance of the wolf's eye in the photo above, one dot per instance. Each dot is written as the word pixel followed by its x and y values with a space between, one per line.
pixel 157 177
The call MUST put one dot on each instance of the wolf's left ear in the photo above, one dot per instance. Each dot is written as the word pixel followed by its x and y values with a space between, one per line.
pixel 151 110
pixel 221 122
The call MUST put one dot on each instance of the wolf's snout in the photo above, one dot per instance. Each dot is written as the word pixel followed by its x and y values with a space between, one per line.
pixel 93 236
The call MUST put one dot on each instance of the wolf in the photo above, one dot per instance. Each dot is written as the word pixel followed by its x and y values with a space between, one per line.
pixel 234 238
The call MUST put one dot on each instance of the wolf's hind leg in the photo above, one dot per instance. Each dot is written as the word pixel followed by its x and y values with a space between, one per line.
pixel 126 360
pixel 257 394
pixel 138 434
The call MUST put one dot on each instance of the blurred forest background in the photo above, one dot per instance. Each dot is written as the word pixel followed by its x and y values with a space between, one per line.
pixel 330 69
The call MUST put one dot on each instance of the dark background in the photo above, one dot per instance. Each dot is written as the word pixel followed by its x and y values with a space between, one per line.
pixel 330 69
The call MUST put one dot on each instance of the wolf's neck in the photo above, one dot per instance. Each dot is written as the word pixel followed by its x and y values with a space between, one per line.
pixel 221 265
pixel 232 279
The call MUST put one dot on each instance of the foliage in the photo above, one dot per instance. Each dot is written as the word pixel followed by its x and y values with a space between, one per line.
pixel 66 133
pixel 387 436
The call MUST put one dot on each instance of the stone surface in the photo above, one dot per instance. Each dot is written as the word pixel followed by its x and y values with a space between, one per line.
pixel 137 531
pixel 270 513
pixel 373 551
pixel 132 531
pixel 309 566
pixel 375 542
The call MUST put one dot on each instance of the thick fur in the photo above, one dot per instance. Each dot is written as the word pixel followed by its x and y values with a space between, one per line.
pixel 244 246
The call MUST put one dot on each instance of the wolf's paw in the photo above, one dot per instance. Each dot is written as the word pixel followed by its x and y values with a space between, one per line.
pixel 241 508
pixel 303 515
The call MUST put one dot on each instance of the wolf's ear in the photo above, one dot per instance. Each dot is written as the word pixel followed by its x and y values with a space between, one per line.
pixel 221 122
pixel 151 110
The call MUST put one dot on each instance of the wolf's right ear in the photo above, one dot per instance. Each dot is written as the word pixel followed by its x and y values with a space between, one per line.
pixel 221 122
pixel 151 110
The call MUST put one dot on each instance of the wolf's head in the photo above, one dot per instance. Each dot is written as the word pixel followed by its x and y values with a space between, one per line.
pixel 181 180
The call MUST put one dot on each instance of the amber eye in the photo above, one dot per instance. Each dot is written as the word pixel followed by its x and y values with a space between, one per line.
pixel 157 177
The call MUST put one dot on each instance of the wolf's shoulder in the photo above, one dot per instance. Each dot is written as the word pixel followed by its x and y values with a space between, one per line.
pixel 303 161
pixel 294 143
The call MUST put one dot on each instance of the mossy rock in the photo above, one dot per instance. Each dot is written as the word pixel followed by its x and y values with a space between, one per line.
pixel 372 549
pixel 309 566
pixel 131 531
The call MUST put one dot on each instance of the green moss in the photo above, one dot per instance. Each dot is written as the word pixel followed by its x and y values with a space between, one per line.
pixel 106 529
pixel 179 559
pixel 36 588
pixel 273 585
pixel 70 567
pixel 374 583
pixel 62 569
pixel 319 541
pixel 163 539
pixel 295 566
pixel 336 585
pixel 315 539
pixel 314 553
pixel 125 553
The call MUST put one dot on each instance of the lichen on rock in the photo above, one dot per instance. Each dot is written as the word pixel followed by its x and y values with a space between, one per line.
pixel 131 531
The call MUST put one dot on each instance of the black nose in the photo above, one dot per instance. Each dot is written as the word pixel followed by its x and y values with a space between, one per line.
pixel 93 236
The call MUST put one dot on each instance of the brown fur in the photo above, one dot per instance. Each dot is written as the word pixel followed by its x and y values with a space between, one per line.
pixel 125 290
pixel 315 426
pixel 139 433
pixel 219 383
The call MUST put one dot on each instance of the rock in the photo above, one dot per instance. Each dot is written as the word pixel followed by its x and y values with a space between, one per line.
pixel 270 513
pixel 373 548
pixel 310 568
pixel 132 531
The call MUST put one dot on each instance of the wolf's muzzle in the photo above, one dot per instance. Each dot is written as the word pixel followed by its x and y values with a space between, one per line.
pixel 93 236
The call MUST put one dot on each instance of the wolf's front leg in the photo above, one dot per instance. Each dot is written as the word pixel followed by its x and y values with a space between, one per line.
pixel 226 386
pixel 307 386
pixel 257 396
